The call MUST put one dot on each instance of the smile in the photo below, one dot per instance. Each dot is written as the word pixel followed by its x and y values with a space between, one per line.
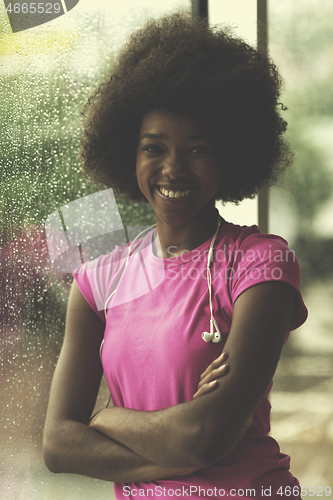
pixel 173 194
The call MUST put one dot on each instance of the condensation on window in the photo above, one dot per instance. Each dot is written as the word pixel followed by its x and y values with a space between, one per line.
pixel 47 74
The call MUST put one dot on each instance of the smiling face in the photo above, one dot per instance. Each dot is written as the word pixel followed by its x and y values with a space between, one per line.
pixel 176 167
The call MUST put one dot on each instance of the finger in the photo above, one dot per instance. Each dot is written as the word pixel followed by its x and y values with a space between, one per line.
pixel 215 364
pixel 215 374
pixel 205 388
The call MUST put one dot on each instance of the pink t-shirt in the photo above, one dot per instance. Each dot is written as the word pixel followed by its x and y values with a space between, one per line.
pixel 153 353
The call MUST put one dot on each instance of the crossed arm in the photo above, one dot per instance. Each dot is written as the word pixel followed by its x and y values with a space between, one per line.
pixel 125 445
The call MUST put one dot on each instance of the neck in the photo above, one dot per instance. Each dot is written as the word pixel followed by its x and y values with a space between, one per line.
pixel 179 239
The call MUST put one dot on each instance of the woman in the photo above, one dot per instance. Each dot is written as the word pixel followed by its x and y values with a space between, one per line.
pixel 189 116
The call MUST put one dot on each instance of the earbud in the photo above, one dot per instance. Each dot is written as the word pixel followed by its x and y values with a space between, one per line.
pixel 211 336
pixel 217 338
pixel 217 335
pixel 207 336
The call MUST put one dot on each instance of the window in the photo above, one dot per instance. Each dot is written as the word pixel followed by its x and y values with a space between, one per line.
pixel 48 72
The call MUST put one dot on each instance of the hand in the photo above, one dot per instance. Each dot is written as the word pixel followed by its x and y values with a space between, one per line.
pixel 94 419
pixel 208 380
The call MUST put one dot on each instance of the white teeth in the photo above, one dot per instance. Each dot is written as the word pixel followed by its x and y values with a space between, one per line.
pixel 173 194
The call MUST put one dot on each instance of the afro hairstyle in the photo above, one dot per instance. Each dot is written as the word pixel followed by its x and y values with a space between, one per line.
pixel 181 64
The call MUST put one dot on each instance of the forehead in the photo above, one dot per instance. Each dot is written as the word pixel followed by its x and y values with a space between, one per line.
pixel 163 122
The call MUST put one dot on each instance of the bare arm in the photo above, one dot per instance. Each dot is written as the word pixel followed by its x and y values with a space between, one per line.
pixel 69 444
pixel 202 431
pixel 104 421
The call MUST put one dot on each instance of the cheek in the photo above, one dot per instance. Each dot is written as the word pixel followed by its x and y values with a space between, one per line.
pixel 146 168
pixel 140 168
pixel 144 175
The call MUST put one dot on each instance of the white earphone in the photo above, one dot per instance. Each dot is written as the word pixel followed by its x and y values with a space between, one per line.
pixel 210 336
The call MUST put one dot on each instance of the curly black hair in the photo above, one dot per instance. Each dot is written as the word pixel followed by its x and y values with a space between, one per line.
pixel 181 64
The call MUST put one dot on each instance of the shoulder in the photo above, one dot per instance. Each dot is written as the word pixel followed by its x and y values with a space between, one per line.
pixel 94 278
pixel 237 236
pixel 247 246
pixel 252 258
pixel 118 254
pixel 98 279
pixel 116 258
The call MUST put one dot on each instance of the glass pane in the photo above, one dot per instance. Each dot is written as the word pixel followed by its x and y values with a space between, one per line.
pixel 242 16
pixel 47 74
pixel 301 209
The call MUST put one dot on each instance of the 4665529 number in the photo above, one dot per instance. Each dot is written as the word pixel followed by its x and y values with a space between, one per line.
pixel 311 491
pixel 34 8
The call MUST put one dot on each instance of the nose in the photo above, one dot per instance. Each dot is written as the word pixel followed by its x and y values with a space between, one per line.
pixel 175 165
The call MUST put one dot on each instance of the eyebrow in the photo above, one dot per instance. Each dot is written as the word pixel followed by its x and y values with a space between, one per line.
pixel 148 135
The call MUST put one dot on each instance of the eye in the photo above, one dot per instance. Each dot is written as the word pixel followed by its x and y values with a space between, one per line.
pixel 201 150
pixel 153 148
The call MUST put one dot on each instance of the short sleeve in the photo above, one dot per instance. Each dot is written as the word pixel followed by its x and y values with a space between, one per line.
pixel 98 278
pixel 90 278
pixel 265 257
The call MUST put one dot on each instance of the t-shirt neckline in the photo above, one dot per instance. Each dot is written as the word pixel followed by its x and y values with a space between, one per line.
pixel 187 256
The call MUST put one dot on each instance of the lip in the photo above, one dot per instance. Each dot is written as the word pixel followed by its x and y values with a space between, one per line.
pixel 175 188
pixel 176 200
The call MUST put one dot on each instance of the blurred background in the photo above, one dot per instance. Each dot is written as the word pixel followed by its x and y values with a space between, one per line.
pixel 47 74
